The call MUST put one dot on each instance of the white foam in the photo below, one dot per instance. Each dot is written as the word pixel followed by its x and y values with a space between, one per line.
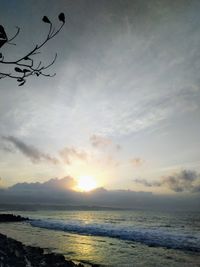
pixel 151 237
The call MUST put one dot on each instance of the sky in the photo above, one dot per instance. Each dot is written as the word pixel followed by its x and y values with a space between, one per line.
pixel 124 106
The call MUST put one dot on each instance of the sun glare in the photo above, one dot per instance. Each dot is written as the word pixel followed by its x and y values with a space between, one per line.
pixel 86 183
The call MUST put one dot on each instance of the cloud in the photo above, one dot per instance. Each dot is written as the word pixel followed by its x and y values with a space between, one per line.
pixel 102 142
pixel 137 162
pixel 55 184
pixel 147 183
pixel 2 184
pixel 55 192
pixel 184 181
pixel 30 151
pixel 68 154
pixel 7 149
pixel 61 191
pixel 111 161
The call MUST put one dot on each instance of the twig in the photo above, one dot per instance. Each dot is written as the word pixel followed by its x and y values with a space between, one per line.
pixel 24 66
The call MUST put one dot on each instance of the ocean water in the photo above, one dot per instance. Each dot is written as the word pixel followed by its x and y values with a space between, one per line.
pixel 114 238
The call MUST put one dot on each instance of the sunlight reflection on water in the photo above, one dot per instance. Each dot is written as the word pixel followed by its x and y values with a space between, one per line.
pixel 95 249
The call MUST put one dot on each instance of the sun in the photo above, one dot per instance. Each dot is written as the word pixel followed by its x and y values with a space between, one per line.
pixel 86 183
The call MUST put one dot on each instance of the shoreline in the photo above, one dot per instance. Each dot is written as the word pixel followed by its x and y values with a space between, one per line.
pixel 15 254
pixel 175 246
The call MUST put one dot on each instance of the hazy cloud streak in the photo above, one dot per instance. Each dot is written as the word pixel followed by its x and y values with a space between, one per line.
pixel 137 162
pixel 99 141
pixel 30 151
pixel 70 153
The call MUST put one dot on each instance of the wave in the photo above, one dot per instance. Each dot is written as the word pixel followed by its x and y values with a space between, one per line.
pixel 150 237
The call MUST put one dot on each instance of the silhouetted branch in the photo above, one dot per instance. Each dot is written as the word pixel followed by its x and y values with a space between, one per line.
pixel 18 30
pixel 25 66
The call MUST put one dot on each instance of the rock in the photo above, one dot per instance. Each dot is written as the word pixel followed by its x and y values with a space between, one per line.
pixel 12 218
pixel 14 254
pixel 54 258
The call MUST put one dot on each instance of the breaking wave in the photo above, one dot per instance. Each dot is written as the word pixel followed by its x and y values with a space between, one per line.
pixel 150 237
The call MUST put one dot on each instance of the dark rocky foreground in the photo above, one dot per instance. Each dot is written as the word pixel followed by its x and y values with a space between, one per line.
pixel 12 218
pixel 14 254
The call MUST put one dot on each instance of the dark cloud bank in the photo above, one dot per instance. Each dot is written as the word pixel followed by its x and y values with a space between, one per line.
pixel 184 181
pixel 58 193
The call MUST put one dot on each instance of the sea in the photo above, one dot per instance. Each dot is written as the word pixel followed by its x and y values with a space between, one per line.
pixel 113 237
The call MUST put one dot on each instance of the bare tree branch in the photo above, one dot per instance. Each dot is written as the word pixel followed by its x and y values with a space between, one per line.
pixel 25 66
pixel 9 40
